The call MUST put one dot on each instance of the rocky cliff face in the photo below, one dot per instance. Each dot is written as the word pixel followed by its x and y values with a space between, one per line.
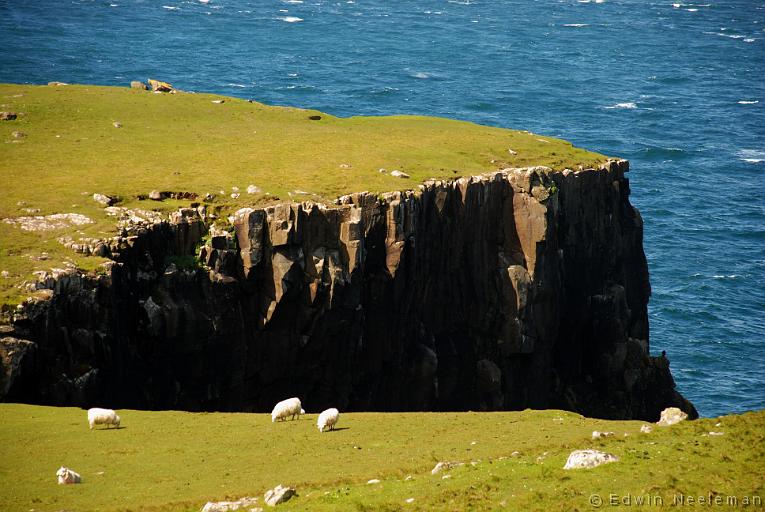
pixel 520 288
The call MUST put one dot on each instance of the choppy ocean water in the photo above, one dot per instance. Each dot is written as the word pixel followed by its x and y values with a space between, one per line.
pixel 678 88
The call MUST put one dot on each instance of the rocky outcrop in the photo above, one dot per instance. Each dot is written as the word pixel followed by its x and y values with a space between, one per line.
pixel 588 459
pixel 519 288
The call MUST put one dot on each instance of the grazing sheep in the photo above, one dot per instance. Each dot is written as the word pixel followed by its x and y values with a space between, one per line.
pixel 67 476
pixel 97 416
pixel 289 407
pixel 328 419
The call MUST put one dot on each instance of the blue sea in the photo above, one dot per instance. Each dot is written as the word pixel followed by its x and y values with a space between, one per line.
pixel 678 88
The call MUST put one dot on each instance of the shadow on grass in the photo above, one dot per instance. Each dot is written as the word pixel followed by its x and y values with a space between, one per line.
pixel 338 429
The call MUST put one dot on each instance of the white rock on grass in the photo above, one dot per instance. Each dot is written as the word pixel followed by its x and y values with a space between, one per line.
pixel 599 435
pixel 646 429
pixel 443 466
pixel 252 189
pixel 226 506
pixel 399 174
pixel 671 416
pixel 48 222
pixel 373 481
pixel 279 494
pixel 103 199
pixel 586 459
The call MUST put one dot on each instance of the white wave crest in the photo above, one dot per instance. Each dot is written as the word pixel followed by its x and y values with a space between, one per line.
pixel 576 25
pixel 752 156
pixel 291 19
pixel 748 102
pixel 628 106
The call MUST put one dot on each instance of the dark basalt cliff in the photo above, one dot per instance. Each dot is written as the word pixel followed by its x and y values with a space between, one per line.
pixel 520 288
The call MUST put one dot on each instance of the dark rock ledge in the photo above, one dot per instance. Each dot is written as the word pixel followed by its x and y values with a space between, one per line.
pixel 514 289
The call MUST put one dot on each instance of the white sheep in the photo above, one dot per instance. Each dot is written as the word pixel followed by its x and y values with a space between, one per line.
pixel 328 419
pixel 98 416
pixel 67 476
pixel 289 407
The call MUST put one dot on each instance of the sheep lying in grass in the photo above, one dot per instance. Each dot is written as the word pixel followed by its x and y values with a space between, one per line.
pixel 97 416
pixel 328 419
pixel 67 476
pixel 289 407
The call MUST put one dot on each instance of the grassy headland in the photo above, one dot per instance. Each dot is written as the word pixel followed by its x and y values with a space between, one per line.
pixel 164 461
pixel 69 142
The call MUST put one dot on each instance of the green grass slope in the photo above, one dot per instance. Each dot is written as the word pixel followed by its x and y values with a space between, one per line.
pixel 163 461
pixel 69 148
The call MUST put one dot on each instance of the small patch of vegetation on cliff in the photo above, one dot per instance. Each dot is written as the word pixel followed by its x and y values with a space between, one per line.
pixel 70 142
pixel 167 461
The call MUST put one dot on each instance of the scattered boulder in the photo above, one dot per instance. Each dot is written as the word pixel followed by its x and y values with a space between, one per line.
pixel 398 174
pixel 104 199
pixel 670 416
pixel 373 481
pixel 443 466
pixel 599 435
pixel 646 429
pixel 18 135
pixel 218 102
pixel 117 124
pixel 156 195
pixel 8 116
pixel 314 118
pixel 586 459
pixel 512 152
pixel 158 86
pixel 716 433
pixel 135 84
pixel 252 189
pixel 279 494
pixel 5 274
pixel 225 506
pixel 56 84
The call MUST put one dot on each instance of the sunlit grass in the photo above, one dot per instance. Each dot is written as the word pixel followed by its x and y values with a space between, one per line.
pixel 178 461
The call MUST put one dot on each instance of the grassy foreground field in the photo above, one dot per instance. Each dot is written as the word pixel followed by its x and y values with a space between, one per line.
pixel 64 146
pixel 162 461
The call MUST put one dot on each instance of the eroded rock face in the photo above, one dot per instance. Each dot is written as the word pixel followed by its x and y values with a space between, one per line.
pixel 520 288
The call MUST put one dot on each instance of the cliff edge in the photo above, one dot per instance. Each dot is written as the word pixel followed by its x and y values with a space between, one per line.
pixel 520 288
